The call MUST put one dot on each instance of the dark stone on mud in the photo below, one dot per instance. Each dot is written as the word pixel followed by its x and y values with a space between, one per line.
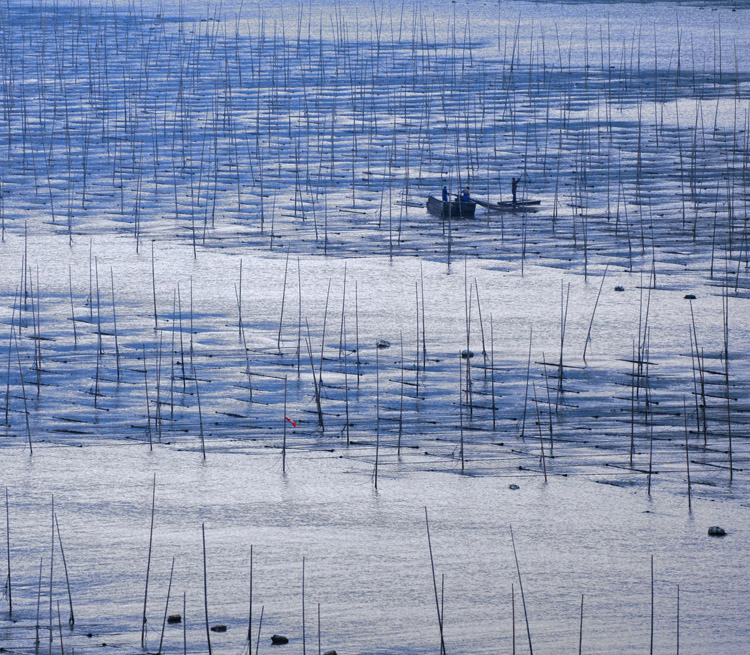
pixel 218 628
pixel 716 531
pixel 174 618
pixel 279 640
pixel 619 288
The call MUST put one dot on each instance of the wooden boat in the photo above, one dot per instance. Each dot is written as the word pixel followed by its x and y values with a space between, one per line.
pixel 451 208
pixel 509 206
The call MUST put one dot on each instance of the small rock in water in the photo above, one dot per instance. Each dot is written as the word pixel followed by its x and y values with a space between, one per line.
pixel 467 354
pixel 689 296
pixel 174 618
pixel 382 343
pixel 279 640
pixel 619 288
pixel 716 531
pixel 218 628
pixel 513 486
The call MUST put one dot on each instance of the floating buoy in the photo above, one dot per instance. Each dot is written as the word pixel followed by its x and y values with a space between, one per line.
pixel 689 296
pixel 218 628
pixel 382 343
pixel 716 531
pixel 466 354
pixel 174 618
pixel 619 288
pixel 279 640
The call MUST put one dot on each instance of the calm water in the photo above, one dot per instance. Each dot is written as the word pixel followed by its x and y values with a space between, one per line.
pixel 245 135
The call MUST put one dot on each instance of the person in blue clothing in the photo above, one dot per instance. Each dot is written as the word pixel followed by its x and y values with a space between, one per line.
pixel 465 197
pixel 445 194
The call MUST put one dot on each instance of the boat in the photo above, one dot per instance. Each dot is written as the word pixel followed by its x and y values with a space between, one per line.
pixel 451 208
pixel 509 206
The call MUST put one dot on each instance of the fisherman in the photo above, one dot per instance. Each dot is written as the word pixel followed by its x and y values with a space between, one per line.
pixel 465 197
pixel 445 194
pixel 513 187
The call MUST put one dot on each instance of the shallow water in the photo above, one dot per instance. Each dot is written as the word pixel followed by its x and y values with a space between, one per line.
pixel 366 555
pixel 299 148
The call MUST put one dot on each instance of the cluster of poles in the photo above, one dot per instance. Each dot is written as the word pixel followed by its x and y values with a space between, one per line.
pixel 325 133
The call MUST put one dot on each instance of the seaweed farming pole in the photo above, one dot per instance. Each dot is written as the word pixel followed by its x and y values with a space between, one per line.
pixel 283 470
pixel 153 286
pixel 11 335
pixel 283 299
pixel 205 588
pixel 148 565
pixel 687 454
pixel 526 394
pixel 72 310
pixel 238 293
pixel 114 319
pixel 564 301
pixel 23 388
pixel 51 569
pixel 513 616
pixel 200 413
pixel 424 335
pixel 541 439
pixel 304 650
pixel 725 315
pixel 434 584
pixel 38 603
pixel 377 414
pixel 166 608
pixel 8 585
pixel 71 619
pixel 316 384
pixel 520 585
pixel 346 386
pixel 593 313
pixel 148 405
pixel 492 374
pixel 59 627
pixel 250 611
pixel 651 642
pixel 460 412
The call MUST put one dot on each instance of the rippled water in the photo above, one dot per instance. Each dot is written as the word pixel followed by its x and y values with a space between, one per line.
pixel 640 175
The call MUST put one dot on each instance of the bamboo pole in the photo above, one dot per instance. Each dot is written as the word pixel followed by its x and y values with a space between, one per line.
pixel 148 564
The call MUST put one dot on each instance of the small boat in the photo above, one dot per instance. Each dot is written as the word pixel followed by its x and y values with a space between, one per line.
pixel 509 206
pixel 451 208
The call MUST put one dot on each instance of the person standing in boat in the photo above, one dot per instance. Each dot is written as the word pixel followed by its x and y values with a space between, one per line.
pixel 514 187
pixel 465 196
pixel 446 198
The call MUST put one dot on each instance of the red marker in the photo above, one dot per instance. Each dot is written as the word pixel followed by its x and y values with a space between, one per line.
pixel 291 421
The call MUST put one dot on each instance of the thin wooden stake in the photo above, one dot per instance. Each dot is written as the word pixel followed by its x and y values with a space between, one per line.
pixel 520 585
pixel 148 564
pixel 434 584
pixel 9 585
pixel 166 607
pixel 205 588
pixel 71 619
